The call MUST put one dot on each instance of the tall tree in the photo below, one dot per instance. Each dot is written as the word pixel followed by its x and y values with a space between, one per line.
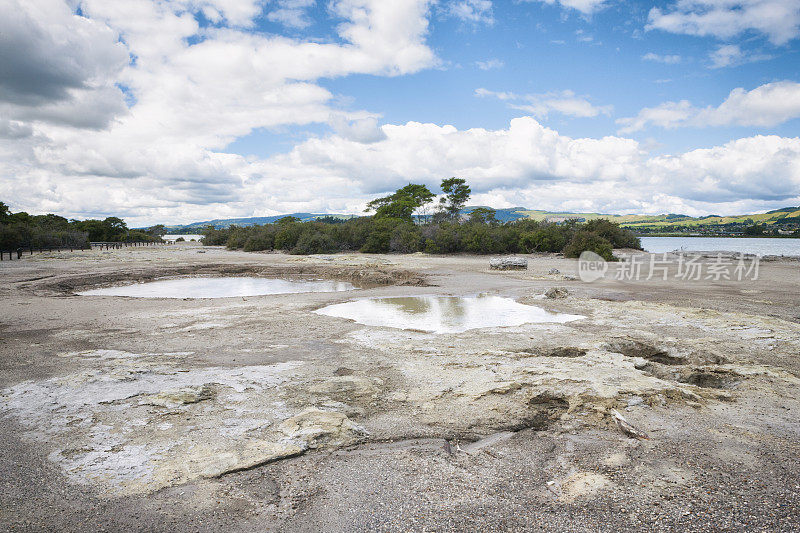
pixel 456 193
pixel 403 203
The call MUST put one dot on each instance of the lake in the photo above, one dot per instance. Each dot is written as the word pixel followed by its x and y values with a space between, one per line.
pixel 722 244
pixel 187 237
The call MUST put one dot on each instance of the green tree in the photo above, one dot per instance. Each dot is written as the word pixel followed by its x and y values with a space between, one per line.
pixel 403 203
pixel 5 212
pixel 483 215
pixel 159 230
pixel 456 193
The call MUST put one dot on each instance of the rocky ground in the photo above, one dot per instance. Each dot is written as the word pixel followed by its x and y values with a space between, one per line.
pixel 242 414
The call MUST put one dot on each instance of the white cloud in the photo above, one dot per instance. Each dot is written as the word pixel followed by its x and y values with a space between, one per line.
pixel 363 129
pixel 767 105
pixel 731 55
pixel 473 11
pixel 667 59
pixel 523 164
pixel 586 7
pixel 666 115
pixel 162 159
pixel 541 105
pixel 292 13
pixel 529 164
pixel 725 56
pixel 58 67
pixel 490 64
pixel 188 101
pixel 778 20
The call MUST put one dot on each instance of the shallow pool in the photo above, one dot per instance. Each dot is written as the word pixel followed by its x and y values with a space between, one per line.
pixel 223 287
pixel 443 314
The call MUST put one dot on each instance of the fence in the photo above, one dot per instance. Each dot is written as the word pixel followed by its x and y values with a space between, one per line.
pixel 92 245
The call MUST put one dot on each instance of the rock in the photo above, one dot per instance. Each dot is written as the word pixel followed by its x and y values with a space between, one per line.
pixel 635 400
pixel 177 397
pixel 207 462
pixel 314 428
pixel 553 272
pixel 556 292
pixel 508 263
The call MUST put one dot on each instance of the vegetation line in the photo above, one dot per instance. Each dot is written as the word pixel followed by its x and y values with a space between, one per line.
pixel 403 222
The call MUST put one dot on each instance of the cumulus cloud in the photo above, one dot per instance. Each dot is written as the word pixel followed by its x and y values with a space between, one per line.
pixel 522 164
pixel 56 66
pixel 669 59
pixel 72 146
pixel 529 164
pixel 778 20
pixel 586 7
pixel 363 129
pixel 191 91
pixel 767 105
pixel 541 105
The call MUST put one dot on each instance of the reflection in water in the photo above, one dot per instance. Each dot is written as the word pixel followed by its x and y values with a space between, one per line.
pixel 443 314
pixel 219 288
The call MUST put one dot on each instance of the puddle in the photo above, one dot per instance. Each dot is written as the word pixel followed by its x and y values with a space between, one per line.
pixel 443 314
pixel 219 287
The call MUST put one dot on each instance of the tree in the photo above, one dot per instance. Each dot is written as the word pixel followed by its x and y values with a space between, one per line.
pixel 483 215
pixel 159 230
pixel 456 193
pixel 403 203
pixel 5 212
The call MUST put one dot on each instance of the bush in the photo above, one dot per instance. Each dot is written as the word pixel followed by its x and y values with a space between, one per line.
pixel 384 235
pixel 588 241
pixel 613 233
pixel 216 237
pixel 288 234
pixel 314 243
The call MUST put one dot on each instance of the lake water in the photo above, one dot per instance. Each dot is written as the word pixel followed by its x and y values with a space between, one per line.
pixel 187 237
pixel 722 244
pixel 443 314
pixel 223 287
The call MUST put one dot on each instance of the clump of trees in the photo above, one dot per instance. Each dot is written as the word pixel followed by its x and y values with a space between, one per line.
pixel 21 230
pixel 402 223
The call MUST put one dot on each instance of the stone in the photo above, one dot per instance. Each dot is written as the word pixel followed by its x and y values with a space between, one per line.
pixel 315 427
pixel 635 400
pixel 556 293
pixel 508 263
pixel 178 397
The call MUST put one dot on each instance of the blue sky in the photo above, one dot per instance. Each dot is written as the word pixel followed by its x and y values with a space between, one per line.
pixel 181 110
pixel 533 47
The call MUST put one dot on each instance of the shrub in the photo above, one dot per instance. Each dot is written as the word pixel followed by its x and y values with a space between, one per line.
pixel 588 241
pixel 314 243
pixel 618 237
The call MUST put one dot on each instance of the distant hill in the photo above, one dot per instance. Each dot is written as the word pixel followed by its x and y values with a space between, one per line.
pixel 221 223
pixel 645 223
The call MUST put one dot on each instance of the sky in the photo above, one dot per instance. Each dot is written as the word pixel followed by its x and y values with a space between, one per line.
pixel 187 110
